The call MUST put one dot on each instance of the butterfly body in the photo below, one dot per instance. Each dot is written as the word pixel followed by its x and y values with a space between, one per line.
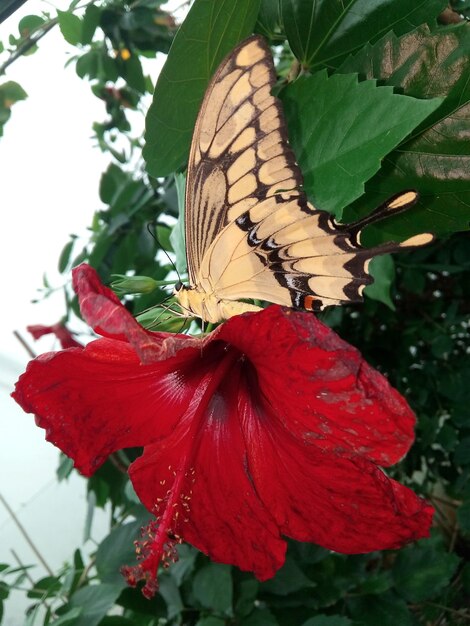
pixel 207 306
pixel 250 231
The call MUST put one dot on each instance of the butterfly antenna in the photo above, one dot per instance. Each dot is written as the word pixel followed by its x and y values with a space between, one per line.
pixel 153 234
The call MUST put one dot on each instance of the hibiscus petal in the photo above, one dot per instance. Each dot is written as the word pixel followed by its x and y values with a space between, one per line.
pixel 105 313
pixel 344 504
pixel 223 515
pixel 100 399
pixel 327 394
pixel 59 330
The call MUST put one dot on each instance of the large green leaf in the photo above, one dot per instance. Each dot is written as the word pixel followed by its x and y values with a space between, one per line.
pixel 421 571
pixel 116 550
pixel 382 270
pixel 209 32
pixel 436 160
pixel 213 587
pixel 326 31
pixel 386 610
pixel 95 601
pixel 341 129
pixel 269 21
pixel 70 26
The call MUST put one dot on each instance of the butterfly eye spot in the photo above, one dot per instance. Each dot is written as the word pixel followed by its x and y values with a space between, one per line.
pixel 178 286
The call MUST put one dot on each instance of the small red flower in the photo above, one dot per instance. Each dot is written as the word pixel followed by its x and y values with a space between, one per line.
pixel 269 426
pixel 61 331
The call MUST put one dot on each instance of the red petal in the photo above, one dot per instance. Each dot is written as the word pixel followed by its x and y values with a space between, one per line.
pixel 104 312
pixel 345 504
pixel 96 400
pixel 219 511
pixel 321 386
pixel 59 330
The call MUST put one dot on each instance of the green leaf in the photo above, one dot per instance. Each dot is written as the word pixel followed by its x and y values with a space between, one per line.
pixel 212 587
pixel 246 597
pixel 116 550
pixel 164 237
pixel 45 587
pixel 90 21
pixel 462 452
pixel 384 610
pixel 4 591
pixel 65 467
pixel 288 579
pixel 11 92
pixel 423 570
pixel 463 517
pixel 269 21
pixel 466 577
pixel 90 512
pixel 382 270
pixel 436 160
pixel 95 601
pixel 324 32
pixel 340 130
pixel 111 180
pixel 211 621
pixel 170 593
pixel 184 567
pixel 117 620
pixel 87 64
pixel 29 23
pixel 327 620
pixel 206 36
pixel 177 236
pixel 132 72
pixel 65 255
pixel 68 619
pixel 260 617
pixel 70 26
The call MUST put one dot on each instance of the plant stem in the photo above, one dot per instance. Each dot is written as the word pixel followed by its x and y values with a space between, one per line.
pixel 25 534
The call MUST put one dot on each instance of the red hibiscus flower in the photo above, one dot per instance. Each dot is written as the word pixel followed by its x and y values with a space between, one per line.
pixel 270 426
pixel 61 331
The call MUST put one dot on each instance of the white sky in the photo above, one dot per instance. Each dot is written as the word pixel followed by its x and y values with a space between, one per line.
pixel 48 189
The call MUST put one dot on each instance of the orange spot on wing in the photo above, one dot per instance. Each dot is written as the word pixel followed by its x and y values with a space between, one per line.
pixel 308 303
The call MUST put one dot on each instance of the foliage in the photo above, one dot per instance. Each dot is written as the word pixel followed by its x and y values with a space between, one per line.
pixel 391 56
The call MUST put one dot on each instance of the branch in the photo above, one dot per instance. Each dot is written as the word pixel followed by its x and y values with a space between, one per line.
pixel 28 44
pixel 25 534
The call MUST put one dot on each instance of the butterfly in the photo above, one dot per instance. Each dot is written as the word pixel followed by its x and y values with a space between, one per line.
pixel 251 232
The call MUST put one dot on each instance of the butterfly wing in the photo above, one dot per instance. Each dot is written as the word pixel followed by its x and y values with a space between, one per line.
pixel 250 230
pixel 286 252
pixel 239 153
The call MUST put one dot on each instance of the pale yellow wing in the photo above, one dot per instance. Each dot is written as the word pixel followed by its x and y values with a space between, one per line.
pixel 286 252
pixel 239 152
pixel 250 231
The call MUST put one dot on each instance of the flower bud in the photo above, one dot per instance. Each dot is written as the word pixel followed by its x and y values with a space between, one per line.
pixel 133 284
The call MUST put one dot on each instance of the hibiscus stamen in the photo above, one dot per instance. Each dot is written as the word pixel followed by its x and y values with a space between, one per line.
pixel 158 545
pixel 164 532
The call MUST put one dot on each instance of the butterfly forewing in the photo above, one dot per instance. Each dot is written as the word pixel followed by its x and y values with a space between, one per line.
pixel 239 153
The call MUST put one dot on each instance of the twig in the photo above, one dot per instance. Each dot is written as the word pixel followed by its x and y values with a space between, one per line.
pixel 28 539
pixel 28 44
pixel 28 576
pixel 23 566
pixel 118 464
pixel 85 572
pixel 28 349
